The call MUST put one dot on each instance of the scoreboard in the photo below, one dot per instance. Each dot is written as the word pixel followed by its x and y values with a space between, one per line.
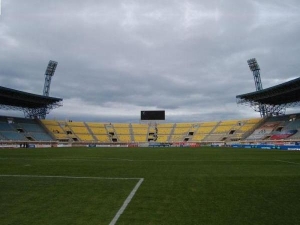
pixel 153 115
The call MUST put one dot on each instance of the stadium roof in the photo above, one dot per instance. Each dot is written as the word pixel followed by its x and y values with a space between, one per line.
pixel 288 92
pixel 280 96
pixel 28 102
pixel 11 97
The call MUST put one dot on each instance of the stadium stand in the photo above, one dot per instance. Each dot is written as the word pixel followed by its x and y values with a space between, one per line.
pixel 123 132
pixel 181 132
pixel 80 130
pixel 278 128
pixel 204 129
pixel 285 127
pixel 56 129
pixel 21 129
pixel 140 132
pixel 164 132
pixel 99 132
pixel 229 130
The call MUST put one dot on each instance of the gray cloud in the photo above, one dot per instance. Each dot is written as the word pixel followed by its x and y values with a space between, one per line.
pixel 188 57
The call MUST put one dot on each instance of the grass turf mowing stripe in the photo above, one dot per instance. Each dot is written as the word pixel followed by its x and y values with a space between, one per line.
pixel 182 186
pixel 123 207
pixel 139 160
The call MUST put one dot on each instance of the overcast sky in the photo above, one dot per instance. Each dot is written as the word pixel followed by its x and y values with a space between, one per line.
pixel 116 58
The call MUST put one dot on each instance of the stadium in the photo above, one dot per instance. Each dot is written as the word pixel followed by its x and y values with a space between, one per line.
pixel 273 128
pixel 216 172
pixel 153 118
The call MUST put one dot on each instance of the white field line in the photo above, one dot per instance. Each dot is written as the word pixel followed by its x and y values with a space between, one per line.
pixel 126 202
pixel 123 207
pixel 69 159
pixel 118 159
pixel 287 162
pixel 135 160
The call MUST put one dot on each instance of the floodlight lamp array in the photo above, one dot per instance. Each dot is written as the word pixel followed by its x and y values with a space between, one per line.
pixel 51 68
pixel 253 65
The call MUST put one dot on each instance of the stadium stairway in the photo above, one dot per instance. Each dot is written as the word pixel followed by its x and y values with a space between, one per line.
pixel 193 129
pixel 46 129
pixel 170 138
pixel 172 132
pixel 90 131
pixel 151 129
pixel 131 132
pixel 111 132
pixel 209 135
pixel 99 131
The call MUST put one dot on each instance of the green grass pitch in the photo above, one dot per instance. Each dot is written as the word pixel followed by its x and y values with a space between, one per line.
pixel 196 186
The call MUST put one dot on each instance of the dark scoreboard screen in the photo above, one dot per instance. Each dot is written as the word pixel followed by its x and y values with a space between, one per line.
pixel 153 115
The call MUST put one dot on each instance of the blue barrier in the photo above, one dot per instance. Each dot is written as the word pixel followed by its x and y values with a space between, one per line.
pixel 281 147
pixel 30 146
pixel 155 144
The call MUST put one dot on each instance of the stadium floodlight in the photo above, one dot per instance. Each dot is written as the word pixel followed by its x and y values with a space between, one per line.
pixel 253 65
pixel 48 75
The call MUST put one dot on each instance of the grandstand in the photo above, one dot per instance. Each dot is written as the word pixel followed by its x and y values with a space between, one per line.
pixel 20 129
pixel 271 128
pixel 278 128
pixel 285 127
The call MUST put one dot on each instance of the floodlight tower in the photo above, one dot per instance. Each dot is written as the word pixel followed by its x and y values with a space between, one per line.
pixel 254 67
pixel 48 75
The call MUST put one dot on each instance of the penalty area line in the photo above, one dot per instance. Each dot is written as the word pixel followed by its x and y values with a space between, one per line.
pixel 126 202
pixel 123 207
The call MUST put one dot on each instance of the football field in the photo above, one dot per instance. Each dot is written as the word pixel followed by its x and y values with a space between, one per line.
pixel 152 186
